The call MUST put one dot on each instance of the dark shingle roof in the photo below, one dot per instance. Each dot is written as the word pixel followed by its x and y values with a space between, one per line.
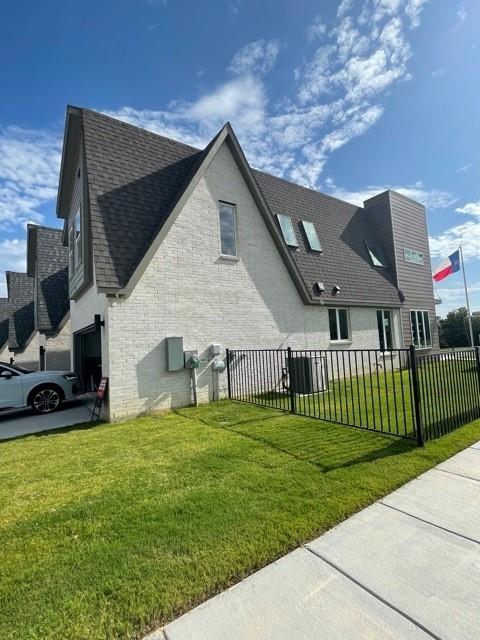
pixel 21 312
pixel 135 177
pixel 45 247
pixel 3 321
pixel 342 229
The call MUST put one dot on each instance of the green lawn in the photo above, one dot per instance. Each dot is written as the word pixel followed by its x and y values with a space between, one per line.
pixel 382 401
pixel 110 531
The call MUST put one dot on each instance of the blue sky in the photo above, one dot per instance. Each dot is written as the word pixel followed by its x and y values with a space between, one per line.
pixel 348 97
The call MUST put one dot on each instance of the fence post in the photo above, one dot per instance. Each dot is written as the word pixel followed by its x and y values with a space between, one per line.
pixel 477 357
pixel 229 383
pixel 416 396
pixel 290 379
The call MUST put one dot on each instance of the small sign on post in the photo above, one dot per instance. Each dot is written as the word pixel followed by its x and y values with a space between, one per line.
pixel 100 395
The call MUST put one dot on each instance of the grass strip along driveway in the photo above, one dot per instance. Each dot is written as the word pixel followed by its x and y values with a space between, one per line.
pixel 110 531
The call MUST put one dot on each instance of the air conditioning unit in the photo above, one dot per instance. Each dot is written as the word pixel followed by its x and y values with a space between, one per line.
pixel 308 374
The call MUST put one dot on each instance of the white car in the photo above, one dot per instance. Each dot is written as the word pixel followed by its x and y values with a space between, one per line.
pixel 44 391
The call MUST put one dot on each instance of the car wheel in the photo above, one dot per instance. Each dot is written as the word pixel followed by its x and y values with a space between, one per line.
pixel 46 399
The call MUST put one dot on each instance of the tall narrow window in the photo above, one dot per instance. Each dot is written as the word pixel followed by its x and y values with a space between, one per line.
pixel 77 236
pixel 312 236
pixel 421 331
pixel 288 232
pixel 71 244
pixel 338 323
pixel 385 332
pixel 228 229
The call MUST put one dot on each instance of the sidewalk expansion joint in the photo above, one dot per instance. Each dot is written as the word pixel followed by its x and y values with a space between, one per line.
pixel 419 625
pixel 459 475
pixel 432 524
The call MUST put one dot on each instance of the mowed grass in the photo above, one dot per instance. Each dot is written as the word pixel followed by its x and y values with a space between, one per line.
pixel 110 531
pixel 383 399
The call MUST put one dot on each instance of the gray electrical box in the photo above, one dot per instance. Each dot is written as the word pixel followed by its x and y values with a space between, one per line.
pixel 174 354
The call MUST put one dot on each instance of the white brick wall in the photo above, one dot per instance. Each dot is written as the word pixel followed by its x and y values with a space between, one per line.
pixel 30 356
pixel 5 353
pixel 188 290
pixel 57 349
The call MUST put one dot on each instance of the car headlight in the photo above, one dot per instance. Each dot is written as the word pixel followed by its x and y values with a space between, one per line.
pixel 70 376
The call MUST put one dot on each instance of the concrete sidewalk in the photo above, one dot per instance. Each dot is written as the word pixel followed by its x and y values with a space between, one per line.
pixel 406 567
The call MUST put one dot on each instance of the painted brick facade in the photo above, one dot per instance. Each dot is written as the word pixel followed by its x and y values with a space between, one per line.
pixel 29 357
pixel 189 290
pixel 58 349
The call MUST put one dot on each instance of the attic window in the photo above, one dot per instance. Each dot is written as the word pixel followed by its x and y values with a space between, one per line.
pixel 376 255
pixel 312 236
pixel 288 232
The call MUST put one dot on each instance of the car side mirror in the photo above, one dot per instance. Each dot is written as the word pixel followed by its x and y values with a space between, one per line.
pixel 6 374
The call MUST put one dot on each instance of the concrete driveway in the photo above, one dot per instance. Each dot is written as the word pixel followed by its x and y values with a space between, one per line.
pixel 23 422
pixel 406 567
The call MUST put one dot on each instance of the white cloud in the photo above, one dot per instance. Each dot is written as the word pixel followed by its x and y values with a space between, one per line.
pixel 413 10
pixel 453 297
pixel 29 164
pixel 344 7
pixel 233 7
pixel 467 235
pixel 13 257
pixel 430 198
pixel 360 121
pixel 471 208
pixel 242 101
pixel 317 29
pixel 462 15
pixel 255 57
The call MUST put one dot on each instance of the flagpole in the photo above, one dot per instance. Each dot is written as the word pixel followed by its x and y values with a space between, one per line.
pixel 466 298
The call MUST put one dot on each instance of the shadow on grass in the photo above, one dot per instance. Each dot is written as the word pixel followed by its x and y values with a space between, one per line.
pixel 81 426
pixel 324 445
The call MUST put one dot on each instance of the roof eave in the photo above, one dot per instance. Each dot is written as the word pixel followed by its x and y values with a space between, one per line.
pixel 70 142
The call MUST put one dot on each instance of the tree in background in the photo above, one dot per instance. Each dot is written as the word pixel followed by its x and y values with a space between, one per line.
pixel 453 330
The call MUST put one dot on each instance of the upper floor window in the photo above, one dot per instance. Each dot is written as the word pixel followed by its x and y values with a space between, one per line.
pixel 376 255
pixel 228 229
pixel 312 236
pixel 75 240
pixel 288 232
pixel 339 326
pixel 421 331
pixel 385 332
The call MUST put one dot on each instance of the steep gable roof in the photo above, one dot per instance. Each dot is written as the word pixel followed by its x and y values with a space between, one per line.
pixel 47 260
pixel 133 178
pixel 21 310
pixel 136 178
pixel 3 321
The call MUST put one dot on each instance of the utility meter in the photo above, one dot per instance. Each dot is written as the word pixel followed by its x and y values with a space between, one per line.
pixel 192 360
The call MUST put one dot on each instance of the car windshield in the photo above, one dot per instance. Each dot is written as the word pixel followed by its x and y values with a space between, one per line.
pixel 17 368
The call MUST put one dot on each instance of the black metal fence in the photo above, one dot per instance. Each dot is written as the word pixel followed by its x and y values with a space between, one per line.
pixel 397 392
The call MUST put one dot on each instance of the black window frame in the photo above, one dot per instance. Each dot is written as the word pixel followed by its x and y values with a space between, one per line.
pixel 233 207
pixel 382 333
pixel 338 324
pixel 425 326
